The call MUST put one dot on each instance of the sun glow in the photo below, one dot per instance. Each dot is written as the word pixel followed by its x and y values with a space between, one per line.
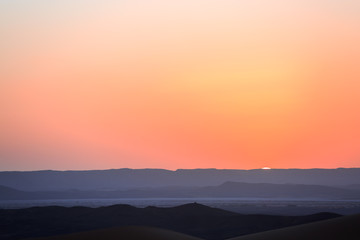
pixel 179 84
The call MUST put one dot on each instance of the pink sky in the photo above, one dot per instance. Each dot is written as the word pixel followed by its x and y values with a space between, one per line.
pixel 179 84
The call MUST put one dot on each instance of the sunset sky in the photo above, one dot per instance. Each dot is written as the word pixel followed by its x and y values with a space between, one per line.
pixel 238 84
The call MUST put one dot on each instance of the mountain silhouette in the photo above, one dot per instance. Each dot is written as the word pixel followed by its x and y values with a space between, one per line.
pixel 225 190
pixel 122 179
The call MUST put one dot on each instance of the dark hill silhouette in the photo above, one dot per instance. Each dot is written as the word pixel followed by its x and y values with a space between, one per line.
pixel 192 219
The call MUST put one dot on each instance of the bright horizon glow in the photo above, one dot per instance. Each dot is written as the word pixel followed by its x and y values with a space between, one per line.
pixel 179 84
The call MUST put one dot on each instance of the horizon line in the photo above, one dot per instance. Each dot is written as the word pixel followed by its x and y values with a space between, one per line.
pixel 175 170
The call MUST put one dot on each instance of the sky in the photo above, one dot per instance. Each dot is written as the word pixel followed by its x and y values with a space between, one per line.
pixel 223 84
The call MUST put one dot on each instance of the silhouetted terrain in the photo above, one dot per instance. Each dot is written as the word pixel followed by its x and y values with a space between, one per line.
pixel 192 219
pixel 228 189
pixel 333 229
pixel 347 227
pixel 124 233
pixel 121 179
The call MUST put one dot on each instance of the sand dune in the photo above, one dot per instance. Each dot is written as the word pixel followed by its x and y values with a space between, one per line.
pixel 128 233
pixel 347 227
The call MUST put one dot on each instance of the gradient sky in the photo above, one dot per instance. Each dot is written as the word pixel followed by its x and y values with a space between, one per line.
pixel 179 84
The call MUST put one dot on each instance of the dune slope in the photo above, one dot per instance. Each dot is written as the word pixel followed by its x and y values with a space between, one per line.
pixel 128 232
pixel 347 227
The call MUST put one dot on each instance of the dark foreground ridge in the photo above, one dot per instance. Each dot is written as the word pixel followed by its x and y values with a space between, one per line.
pixel 333 229
pixel 191 219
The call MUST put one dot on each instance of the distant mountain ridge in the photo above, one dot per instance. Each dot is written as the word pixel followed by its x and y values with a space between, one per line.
pixel 122 179
pixel 225 190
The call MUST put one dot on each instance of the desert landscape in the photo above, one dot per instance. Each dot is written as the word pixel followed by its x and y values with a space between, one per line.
pixel 181 119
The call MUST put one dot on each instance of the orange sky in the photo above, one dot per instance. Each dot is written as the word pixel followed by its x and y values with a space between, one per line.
pixel 179 84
